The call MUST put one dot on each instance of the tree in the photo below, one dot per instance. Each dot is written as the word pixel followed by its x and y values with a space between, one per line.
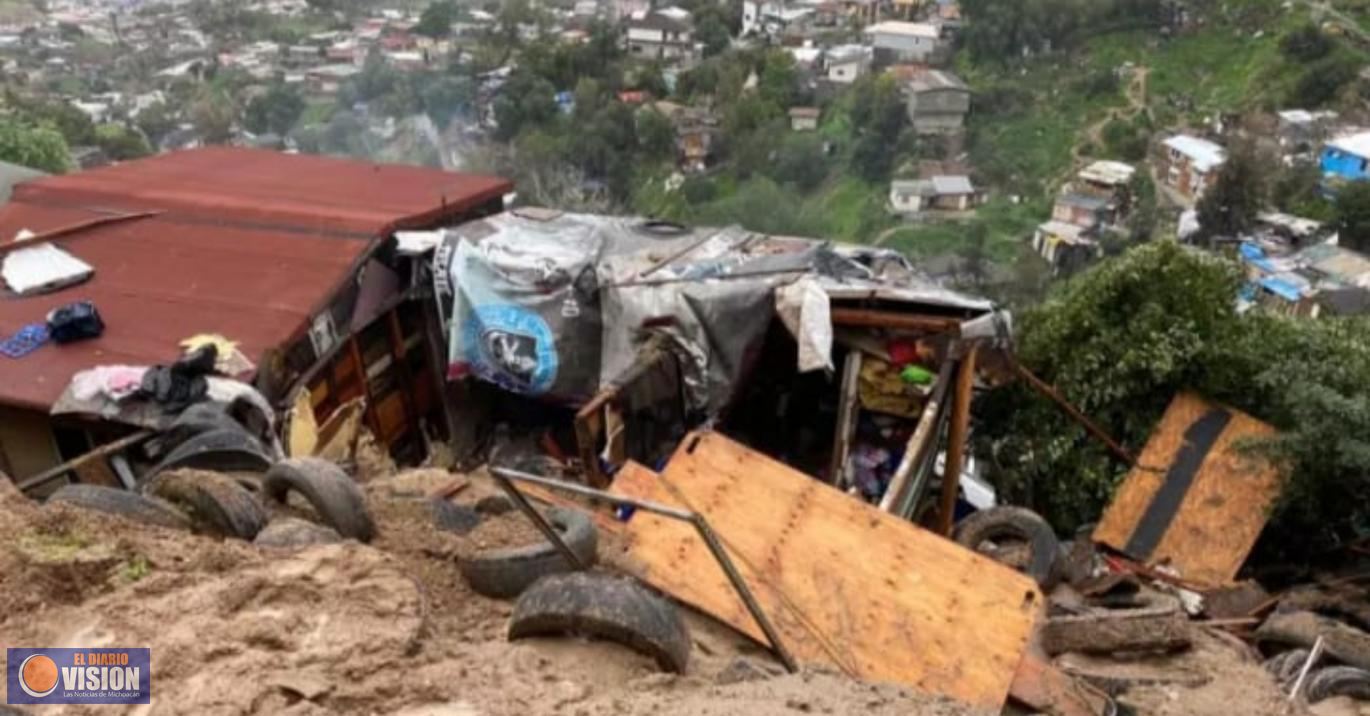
pixel 799 161
pixel 527 101
pixel 713 32
pixel 1230 203
pixel 275 111
pixel 121 143
pixel 655 135
pixel 1323 80
pixel 1306 44
pixel 213 115
pixel 38 148
pixel 447 97
pixel 156 121
pixel 1124 337
pixel 437 19
pixel 974 254
pixel 652 80
pixel 1351 215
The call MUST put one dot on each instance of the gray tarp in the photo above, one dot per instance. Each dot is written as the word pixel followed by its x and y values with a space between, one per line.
pixel 556 305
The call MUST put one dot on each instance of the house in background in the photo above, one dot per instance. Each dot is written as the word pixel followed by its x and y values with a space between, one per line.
pixel 1190 163
pixel 847 63
pixel 1300 130
pixel 1346 158
pixel 804 119
pixel 937 102
pixel 1067 247
pixel 911 197
pixel 897 42
pixel 666 35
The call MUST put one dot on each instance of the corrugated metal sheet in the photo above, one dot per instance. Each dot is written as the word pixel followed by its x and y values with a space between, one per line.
pixel 249 245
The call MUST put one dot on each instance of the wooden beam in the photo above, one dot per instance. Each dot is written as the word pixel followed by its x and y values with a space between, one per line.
pixel 846 416
pixel 924 436
pixel 1046 389
pixel 72 464
pixel 956 439
pixel 890 319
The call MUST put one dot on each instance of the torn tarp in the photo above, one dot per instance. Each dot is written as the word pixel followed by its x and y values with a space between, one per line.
pixel 556 305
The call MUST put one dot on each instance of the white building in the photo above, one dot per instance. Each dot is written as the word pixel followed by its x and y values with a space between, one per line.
pixel 898 42
pixel 847 63
pixel 666 34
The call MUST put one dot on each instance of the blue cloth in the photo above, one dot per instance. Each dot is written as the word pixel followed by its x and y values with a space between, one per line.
pixel 29 339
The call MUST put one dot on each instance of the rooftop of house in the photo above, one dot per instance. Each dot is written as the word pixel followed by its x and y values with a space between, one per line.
pixel 931 80
pixel 246 243
pixel 1357 143
pixel 804 112
pixel 1065 231
pixel 1087 202
pixel 1204 154
pixel 907 29
pixel 1108 173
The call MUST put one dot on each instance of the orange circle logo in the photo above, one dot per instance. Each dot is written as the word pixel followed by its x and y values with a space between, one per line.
pixel 38 676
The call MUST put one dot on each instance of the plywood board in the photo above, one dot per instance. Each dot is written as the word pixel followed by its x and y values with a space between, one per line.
pixel 846 585
pixel 1198 497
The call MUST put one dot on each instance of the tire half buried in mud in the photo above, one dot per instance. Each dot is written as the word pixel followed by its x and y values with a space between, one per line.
pixel 618 609
pixel 507 571
pixel 116 501
pixel 1016 524
pixel 216 503
pixel 335 497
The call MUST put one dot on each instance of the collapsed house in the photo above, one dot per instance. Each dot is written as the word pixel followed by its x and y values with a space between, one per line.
pixel 287 263
pixel 648 329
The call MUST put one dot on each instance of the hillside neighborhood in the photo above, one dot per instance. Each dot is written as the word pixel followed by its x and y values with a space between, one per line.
pixel 943 357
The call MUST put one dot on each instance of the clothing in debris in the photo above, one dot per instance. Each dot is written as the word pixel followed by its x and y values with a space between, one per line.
pixel 183 382
pixel 25 341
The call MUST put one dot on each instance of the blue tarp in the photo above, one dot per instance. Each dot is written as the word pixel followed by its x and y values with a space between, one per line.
pixel 1281 288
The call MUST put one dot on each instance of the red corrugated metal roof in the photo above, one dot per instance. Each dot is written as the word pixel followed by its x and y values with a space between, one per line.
pixel 250 244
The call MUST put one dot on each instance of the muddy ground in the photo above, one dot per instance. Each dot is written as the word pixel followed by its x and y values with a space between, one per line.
pixel 391 627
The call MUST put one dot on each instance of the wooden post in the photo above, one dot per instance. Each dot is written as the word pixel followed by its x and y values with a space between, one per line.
pixel 924 436
pixel 846 416
pixel 956 439
pixel 1041 386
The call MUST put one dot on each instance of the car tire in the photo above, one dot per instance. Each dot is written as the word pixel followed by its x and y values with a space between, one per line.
pixel 117 501
pixel 335 497
pixel 618 609
pixel 1338 681
pixel 224 450
pixel 507 571
pixel 1020 524
pixel 216 503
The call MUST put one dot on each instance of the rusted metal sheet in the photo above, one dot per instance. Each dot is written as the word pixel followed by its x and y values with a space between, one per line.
pixel 247 244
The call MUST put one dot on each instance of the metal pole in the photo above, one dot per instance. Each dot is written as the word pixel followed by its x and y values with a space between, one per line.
pixel 539 521
pixel 505 477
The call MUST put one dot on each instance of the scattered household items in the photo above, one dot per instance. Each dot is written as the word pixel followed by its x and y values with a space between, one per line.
pixel 73 322
pixel 42 268
pixel 183 382
pixel 228 358
pixel 607 607
pixel 26 340
pixel 1198 496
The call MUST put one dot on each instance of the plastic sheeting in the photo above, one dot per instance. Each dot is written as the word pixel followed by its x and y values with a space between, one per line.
pixel 557 305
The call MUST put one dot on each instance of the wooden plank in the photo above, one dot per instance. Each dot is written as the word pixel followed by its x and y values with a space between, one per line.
pixel 956 440
pixel 1043 687
pixel 1197 500
pixel 919 446
pixel 847 414
pixel 846 585
pixel 891 319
